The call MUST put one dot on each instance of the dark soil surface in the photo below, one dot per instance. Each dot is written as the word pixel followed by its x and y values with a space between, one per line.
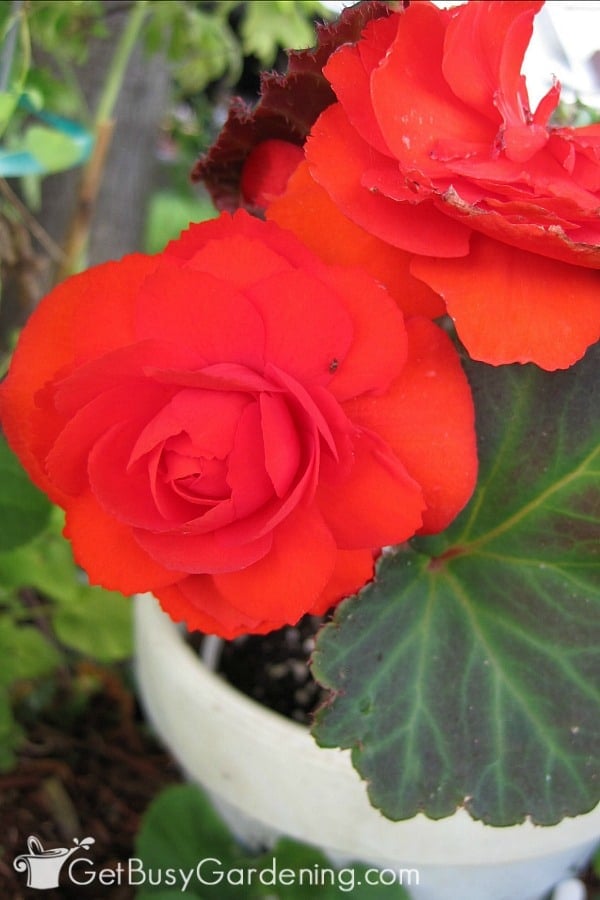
pixel 88 767
pixel 273 669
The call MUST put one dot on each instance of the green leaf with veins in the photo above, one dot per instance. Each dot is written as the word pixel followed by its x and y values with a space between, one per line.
pixel 467 673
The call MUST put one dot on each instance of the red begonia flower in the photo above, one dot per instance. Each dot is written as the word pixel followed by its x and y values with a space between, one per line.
pixel 432 140
pixel 237 426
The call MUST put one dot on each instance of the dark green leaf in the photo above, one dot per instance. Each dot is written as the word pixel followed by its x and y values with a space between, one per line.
pixel 24 511
pixel 467 673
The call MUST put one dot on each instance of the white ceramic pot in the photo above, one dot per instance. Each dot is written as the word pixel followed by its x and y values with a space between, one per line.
pixel 268 777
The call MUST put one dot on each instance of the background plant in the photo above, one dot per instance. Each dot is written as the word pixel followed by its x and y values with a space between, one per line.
pixel 181 828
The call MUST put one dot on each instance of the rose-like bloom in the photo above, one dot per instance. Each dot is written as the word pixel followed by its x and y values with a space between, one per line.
pixel 236 426
pixel 432 148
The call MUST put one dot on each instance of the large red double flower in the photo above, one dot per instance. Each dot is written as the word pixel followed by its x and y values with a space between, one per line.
pixel 236 426
pixel 432 148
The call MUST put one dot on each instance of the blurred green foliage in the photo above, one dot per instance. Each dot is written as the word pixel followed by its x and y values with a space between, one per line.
pixel 202 43
pixel 169 213
pixel 49 615
pixel 45 41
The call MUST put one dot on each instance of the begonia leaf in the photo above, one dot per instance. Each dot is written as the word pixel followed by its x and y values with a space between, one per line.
pixel 466 674
pixel 286 110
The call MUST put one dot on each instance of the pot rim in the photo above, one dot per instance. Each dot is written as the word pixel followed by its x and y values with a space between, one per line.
pixel 250 755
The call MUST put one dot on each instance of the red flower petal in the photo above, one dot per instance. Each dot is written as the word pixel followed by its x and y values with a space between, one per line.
pixel 277 510
pixel 196 601
pixel 290 578
pixel 427 418
pixel 533 226
pixel 241 225
pixel 283 451
pixel 308 211
pixel 353 569
pixel 108 551
pixel 125 365
pixel 377 503
pixel 58 333
pixel 412 100
pixel 484 49
pixel 208 418
pixel 378 347
pixel 267 170
pixel 125 493
pixel 302 345
pixel 200 554
pixel 195 310
pixel 66 463
pixel 105 296
pixel 338 157
pixel 141 472
pixel 254 261
pixel 349 69
pixel 513 306
pixel 251 487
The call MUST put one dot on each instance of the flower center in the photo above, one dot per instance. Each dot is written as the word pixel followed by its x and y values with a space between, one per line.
pixel 198 480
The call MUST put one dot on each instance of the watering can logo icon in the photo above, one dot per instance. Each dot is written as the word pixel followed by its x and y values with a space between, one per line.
pixel 43 867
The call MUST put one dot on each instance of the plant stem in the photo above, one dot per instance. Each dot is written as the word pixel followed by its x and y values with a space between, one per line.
pixel 30 222
pixel 78 234
pixel 119 62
